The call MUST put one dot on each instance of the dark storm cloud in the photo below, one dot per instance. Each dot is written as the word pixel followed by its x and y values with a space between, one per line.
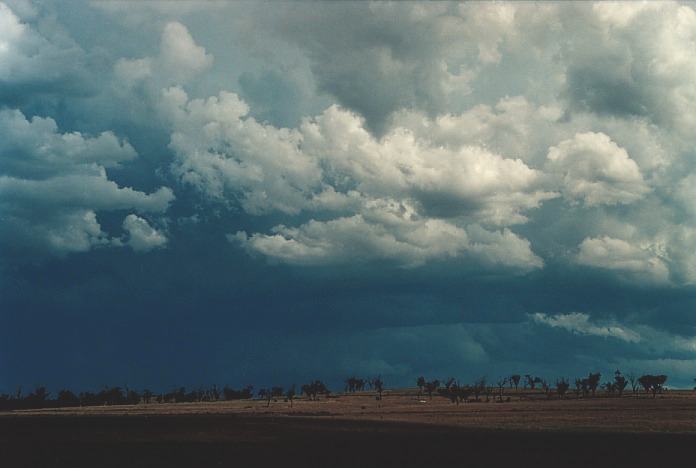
pixel 243 194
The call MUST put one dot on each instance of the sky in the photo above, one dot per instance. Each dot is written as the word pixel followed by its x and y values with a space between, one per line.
pixel 268 193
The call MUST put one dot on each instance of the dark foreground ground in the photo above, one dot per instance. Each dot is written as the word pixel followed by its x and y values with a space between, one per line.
pixel 210 440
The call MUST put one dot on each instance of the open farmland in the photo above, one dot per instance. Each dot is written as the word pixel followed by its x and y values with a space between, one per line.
pixel 357 430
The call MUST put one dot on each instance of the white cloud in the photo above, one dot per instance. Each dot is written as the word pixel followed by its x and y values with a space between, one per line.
pixel 387 192
pixel 503 248
pixel 399 239
pixel 52 185
pixel 141 236
pixel 640 262
pixel 437 121
pixel 180 59
pixel 34 148
pixel 391 231
pixel 581 324
pixel 636 59
pixel 650 339
pixel 594 170
pixel 465 179
pixel 223 152
pixel 41 62
pixel 180 56
pixel 685 193
pixel 680 248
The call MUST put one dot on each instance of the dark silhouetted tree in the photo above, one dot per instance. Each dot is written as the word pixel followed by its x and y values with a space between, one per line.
pixel 531 381
pixel 562 387
pixel 37 398
pixel 350 385
pixel 243 394
pixel 515 379
pixel 378 385
pixel 620 382
pixel 290 394
pixel 478 388
pixel 610 388
pixel 266 394
pixel 67 398
pixel 132 397
pixel 454 392
pixel 421 384
pixel 634 382
pixel 431 387
pixel 501 387
pixel 652 383
pixel 579 388
pixel 277 392
pixel 313 389
pixel 593 382
pixel 354 384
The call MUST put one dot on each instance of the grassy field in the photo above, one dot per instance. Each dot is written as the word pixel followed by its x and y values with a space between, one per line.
pixel 403 429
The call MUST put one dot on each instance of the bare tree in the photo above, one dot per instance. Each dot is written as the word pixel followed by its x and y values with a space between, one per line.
pixel 456 393
pixel 378 385
pixel 431 387
pixel 266 394
pixel 421 384
pixel 501 387
pixel 609 387
pixel 479 387
pixel 463 392
pixel 515 379
pixel 314 388
pixel 351 384
pixel 546 388
pixel 593 382
pixel 579 388
pixel 354 384
pixel 620 382
pixel 531 381
pixel 635 385
pixel 290 394
pixel 562 387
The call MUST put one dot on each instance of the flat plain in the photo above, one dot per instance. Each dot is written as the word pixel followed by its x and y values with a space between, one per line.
pixel 403 429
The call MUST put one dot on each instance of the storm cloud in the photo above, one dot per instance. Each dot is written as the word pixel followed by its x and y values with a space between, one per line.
pixel 393 188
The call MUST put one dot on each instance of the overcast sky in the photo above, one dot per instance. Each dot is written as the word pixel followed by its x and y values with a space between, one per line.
pixel 264 193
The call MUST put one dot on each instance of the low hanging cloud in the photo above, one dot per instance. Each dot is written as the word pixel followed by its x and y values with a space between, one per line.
pixel 582 324
pixel 641 337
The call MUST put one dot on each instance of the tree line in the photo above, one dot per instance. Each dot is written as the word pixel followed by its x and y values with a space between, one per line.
pixel 583 387
pixel 450 388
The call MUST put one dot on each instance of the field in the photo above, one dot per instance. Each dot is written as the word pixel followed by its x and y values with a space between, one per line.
pixel 357 430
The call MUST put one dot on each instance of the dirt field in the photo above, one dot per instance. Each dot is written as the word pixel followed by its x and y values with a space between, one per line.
pixel 357 430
